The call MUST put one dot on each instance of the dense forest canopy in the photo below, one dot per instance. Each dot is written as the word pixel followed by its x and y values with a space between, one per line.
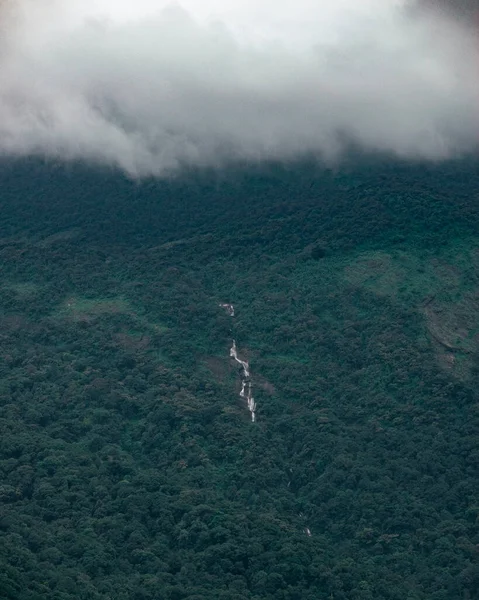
pixel 130 468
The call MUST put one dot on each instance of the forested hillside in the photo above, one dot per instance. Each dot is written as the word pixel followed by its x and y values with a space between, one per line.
pixel 130 468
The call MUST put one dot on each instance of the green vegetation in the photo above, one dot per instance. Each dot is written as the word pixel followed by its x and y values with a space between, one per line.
pixel 130 469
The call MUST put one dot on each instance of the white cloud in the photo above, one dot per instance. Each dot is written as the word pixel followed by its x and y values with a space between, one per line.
pixel 149 85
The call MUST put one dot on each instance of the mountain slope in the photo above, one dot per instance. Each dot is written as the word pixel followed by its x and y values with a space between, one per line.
pixel 130 466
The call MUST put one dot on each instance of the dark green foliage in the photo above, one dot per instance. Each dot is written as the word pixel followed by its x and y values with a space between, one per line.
pixel 318 252
pixel 129 467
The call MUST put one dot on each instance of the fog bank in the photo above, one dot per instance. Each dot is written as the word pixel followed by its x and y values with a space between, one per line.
pixel 150 86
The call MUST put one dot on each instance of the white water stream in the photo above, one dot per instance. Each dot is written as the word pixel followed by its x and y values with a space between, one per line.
pixel 246 385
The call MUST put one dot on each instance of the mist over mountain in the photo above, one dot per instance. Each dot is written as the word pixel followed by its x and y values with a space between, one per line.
pixel 257 380
pixel 151 86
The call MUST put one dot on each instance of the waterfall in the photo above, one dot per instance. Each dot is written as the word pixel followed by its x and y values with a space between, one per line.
pixel 246 384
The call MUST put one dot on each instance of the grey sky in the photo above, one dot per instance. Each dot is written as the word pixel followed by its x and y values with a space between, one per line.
pixel 149 86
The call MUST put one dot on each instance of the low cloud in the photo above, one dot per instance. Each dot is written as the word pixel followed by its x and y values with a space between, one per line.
pixel 150 86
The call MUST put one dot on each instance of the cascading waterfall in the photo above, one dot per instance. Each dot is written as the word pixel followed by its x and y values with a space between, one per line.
pixel 247 388
pixel 246 385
